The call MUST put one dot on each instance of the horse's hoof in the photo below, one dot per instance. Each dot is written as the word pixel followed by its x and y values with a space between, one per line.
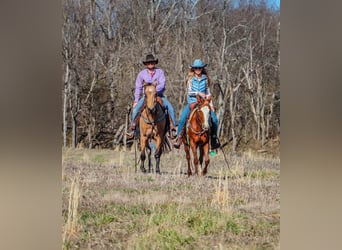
pixel 158 171
pixel 143 169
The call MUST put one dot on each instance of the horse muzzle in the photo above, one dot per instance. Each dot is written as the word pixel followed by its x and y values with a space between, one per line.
pixel 152 110
pixel 205 127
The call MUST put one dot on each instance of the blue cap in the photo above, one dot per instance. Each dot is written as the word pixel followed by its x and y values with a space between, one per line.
pixel 198 64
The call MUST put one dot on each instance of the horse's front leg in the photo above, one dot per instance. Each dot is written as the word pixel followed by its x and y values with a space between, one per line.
pixel 206 158
pixel 148 149
pixel 187 154
pixel 194 152
pixel 142 154
pixel 201 155
pixel 158 152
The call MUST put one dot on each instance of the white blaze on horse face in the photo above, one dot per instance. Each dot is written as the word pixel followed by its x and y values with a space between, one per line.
pixel 206 113
pixel 150 100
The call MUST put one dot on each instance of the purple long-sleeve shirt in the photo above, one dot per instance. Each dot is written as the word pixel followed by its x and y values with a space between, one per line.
pixel 144 75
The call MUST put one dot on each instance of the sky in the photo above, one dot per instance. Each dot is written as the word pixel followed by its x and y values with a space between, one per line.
pixel 274 3
pixel 271 3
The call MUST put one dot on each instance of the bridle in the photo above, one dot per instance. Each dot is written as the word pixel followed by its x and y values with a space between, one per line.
pixel 152 113
pixel 199 121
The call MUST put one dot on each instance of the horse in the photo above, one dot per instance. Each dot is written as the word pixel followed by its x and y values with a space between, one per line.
pixel 197 135
pixel 152 125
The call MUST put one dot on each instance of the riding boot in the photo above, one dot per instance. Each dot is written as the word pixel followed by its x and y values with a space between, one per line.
pixel 173 131
pixel 131 132
pixel 214 142
pixel 178 140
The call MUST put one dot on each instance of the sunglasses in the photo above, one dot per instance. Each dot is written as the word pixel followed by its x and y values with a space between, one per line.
pixel 197 68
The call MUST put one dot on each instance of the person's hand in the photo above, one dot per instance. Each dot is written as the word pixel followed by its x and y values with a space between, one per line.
pixel 202 95
pixel 134 104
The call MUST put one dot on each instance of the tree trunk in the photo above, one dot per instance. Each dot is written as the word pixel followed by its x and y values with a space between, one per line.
pixel 66 89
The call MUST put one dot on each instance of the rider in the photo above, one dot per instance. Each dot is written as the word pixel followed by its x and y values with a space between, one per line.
pixel 197 82
pixel 149 75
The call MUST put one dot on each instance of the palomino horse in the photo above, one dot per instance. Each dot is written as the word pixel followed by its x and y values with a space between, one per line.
pixel 198 135
pixel 152 125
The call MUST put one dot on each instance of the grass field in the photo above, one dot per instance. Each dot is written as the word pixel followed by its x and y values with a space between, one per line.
pixel 107 205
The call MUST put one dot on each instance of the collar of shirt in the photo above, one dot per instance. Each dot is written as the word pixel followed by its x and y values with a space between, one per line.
pixel 151 72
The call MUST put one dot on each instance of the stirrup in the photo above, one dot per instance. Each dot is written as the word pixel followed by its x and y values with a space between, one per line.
pixel 215 143
pixel 177 142
pixel 130 134
pixel 173 134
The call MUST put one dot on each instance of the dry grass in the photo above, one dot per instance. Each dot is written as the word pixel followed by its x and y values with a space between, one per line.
pixel 236 208
pixel 71 226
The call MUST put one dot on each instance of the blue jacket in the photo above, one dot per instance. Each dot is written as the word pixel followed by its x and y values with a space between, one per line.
pixel 196 85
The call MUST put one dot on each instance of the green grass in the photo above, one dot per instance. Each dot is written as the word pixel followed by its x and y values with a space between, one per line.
pixel 122 209
pixel 99 159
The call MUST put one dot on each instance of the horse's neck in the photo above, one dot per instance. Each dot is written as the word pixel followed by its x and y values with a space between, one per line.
pixel 156 114
pixel 194 119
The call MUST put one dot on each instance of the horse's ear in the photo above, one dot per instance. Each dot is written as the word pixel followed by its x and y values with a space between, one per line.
pixel 155 83
pixel 144 83
pixel 210 98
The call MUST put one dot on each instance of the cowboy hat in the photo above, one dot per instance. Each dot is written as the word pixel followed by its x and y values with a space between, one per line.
pixel 150 59
pixel 198 64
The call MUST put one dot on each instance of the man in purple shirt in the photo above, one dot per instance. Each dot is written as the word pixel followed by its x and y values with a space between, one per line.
pixel 149 75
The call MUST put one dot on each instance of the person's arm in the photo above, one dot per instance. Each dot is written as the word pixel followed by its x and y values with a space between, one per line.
pixel 138 88
pixel 189 87
pixel 161 82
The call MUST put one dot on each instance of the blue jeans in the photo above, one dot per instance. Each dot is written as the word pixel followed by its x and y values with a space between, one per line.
pixel 185 114
pixel 183 117
pixel 166 104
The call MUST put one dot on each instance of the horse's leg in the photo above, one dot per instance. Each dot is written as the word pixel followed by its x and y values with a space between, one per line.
pixel 206 158
pixel 201 155
pixel 187 153
pixel 142 154
pixel 194 152
pixel 157 154
pixel 149 157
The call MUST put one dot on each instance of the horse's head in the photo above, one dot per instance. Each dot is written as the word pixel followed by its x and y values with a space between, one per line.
pixel 204 109
pixel 150 96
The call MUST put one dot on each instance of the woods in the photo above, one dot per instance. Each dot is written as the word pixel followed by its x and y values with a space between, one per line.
pixel 105 41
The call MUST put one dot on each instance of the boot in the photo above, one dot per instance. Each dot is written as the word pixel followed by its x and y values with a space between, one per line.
pixel 131 132
pixel 173 131
pixel 214 142
pixel 178 142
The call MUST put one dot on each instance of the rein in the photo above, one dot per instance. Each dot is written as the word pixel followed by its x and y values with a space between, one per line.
pixel 200 122
pixel 159 119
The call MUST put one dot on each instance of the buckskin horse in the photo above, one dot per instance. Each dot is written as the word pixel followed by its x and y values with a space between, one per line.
pixel 152 125
pixel 197 135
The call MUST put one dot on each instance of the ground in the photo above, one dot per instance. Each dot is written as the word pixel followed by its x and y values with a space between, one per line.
pixel 108 205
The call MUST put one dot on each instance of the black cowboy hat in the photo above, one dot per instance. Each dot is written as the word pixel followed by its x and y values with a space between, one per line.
pixel 150 58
